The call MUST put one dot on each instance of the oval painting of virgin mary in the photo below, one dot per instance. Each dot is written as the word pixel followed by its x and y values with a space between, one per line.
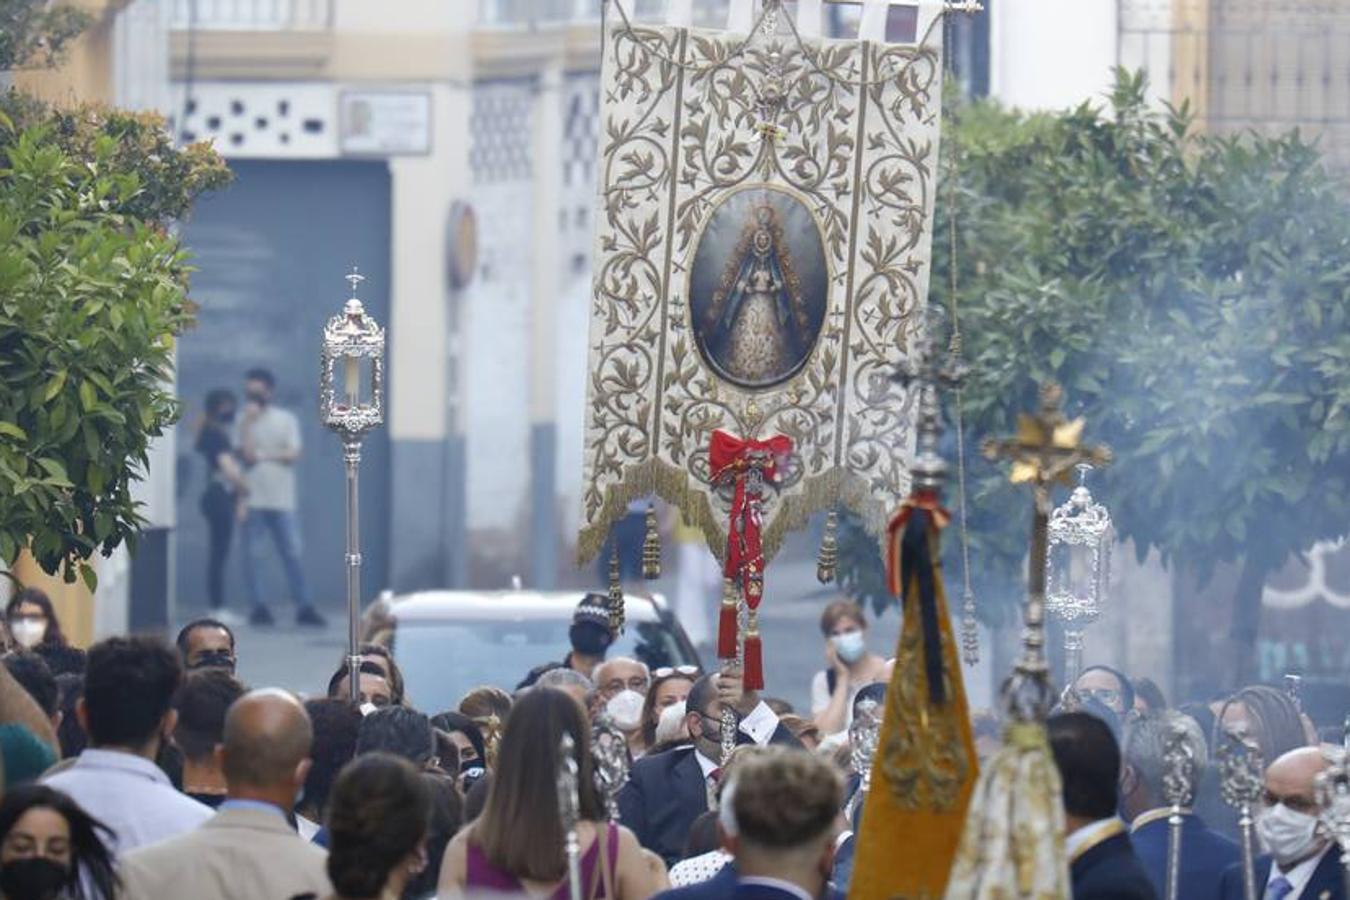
pixel 758 288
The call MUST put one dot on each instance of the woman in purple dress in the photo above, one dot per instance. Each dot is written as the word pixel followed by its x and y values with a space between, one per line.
pixel 517 845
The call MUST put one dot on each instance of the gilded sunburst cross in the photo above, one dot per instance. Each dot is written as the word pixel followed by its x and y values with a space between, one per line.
pixel 1044 451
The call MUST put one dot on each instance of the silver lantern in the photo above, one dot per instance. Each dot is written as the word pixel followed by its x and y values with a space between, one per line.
pixel 1078 568
pixel 351 403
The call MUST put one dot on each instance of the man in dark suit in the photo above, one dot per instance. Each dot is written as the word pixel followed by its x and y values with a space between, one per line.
pixel 1102 864
pixel 783 805
pixel 666 792
pixel 1303 863
pixel 1205 854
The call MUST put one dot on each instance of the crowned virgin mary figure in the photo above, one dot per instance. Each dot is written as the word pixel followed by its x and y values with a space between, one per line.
pixel 756 329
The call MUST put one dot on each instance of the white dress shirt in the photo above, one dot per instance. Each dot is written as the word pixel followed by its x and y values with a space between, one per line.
pixel 759 724
pixel 1298 876
pixel 131 795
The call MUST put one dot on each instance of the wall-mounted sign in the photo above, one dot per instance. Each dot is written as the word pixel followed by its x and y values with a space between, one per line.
pixel 385 123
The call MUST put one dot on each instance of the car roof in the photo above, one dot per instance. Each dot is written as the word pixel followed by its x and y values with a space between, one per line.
pixel 433 606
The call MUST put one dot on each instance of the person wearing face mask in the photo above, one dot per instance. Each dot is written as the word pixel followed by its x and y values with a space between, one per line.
pixel 589 636
pixel 206 644
pixel 32 621
pixel 850 666
pixel 127 713
pixel 667 791
pixel 1301 860
pixel 46 840
pixel 225 489
pixel 269 443
pixel 622 685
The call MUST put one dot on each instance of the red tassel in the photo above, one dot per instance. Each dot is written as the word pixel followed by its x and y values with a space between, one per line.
pixel 726 632
pixel 754 663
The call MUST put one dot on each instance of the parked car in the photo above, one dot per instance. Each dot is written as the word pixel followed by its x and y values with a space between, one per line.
pixel 449 642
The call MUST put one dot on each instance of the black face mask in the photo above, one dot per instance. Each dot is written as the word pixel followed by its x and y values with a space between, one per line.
pixel 257 397
pixel 215 659
pixel 589 639
pixel 226 417
pixel 35 878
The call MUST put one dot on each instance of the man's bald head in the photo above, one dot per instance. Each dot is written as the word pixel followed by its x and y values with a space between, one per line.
pixel 267 738
pixel 1293 777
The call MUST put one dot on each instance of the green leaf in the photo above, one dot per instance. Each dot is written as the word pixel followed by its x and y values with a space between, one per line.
pixel 54 385
pixel 87 396
pixel 89 576
pixel 13 431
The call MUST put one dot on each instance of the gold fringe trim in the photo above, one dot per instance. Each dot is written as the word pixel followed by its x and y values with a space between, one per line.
pixel 790 511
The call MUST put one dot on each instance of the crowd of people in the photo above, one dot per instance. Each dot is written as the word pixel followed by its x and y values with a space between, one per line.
pixel 142 769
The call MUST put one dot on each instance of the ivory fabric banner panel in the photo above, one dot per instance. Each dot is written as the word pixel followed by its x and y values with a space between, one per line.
pixel 762 257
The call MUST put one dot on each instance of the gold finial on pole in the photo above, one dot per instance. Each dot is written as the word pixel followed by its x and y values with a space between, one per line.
pixel 1044 451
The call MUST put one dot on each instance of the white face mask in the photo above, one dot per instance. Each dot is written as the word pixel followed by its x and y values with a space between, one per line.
pixel 28 632
pixel 1290 836
pixel 625 708
pixel 851 645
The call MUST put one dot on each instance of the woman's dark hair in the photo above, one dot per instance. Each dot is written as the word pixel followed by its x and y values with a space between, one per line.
pixel 520 831
pixel 475 799
pixel 366 668
pixel 89 851
pixel 378 813
pixel 40 599
pixel 650 715
pixel 218 397
pixel 450 722
pixel 1147 690
pixel 1278 727
pixel 69 733
pixel 447 815
pixel 336 724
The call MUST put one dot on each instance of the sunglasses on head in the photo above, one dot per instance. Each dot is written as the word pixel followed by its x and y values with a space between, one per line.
pixel 667 671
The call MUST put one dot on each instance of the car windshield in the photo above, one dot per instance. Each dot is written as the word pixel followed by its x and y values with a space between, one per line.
pixel 445 659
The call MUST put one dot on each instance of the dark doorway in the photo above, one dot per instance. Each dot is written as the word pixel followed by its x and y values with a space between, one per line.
pixel 271 251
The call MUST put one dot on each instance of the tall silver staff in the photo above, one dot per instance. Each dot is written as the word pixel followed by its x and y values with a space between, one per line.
pixel 569 806
pixel 1333 796
pixel 354 340
pixel 609 750
pixel 864 734
pixel 1241 768
pixel 1178 786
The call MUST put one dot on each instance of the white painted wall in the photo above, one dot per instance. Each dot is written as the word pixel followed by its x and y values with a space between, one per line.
pixel 1051 54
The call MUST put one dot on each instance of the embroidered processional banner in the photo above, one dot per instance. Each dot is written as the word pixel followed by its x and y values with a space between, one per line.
pixel 763 251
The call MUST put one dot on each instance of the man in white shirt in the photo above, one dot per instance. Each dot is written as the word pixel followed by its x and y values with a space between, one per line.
pixel 126 711
pixel 1303 862
pixel 269 441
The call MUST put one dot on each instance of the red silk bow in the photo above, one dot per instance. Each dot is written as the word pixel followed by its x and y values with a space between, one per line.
pixel 736 458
